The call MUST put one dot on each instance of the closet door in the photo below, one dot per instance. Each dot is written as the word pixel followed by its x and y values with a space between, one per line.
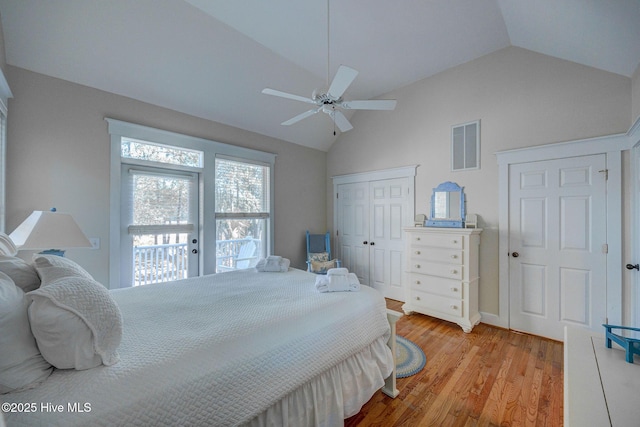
pixel 370 220
pixel 386 245
pixel 353 228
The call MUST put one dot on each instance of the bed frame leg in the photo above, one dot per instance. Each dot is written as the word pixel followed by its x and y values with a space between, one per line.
pixel 390 388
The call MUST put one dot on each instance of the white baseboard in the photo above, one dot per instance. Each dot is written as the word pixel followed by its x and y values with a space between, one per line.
pixel 494 320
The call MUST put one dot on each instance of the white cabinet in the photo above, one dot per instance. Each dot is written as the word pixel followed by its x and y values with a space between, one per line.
pixel 441 274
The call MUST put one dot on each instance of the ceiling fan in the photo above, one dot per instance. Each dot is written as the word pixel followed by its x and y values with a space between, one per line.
pixel 330 101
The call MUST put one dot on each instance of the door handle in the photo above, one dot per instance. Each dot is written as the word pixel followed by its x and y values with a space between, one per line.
pixel 633 267
pixel 372 243
pixel 515 254
pixel 365 243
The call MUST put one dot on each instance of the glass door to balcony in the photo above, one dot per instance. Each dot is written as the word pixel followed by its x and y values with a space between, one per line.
pixel 159 232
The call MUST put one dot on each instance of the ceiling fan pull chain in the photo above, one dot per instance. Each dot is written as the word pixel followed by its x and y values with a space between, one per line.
pixel 333 119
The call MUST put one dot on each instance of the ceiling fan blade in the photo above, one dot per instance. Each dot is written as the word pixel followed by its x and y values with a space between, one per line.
pixel 341 121
pixel 274 92
pixel 374 104
pixel 343 78
pixel 300 117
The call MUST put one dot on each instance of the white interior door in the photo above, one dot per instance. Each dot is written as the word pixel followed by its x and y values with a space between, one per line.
pixel 635 245
pixel 557 229
pixel 353 228
pixel 386 244
pixel 370 220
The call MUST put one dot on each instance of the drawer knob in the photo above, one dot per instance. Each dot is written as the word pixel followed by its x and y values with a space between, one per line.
pixel 417 238
pixel 454 289
pixel 454 307
pixel 417 252
pixel 454 241
pixel 417 298
pixel 454 271
pixel 417 282
pixel 454 256
pixel 417 265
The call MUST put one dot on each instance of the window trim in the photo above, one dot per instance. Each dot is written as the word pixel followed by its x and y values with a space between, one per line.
pixel 5 94
pixel 118 129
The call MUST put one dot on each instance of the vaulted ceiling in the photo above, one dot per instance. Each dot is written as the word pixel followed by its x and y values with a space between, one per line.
pixel 212 58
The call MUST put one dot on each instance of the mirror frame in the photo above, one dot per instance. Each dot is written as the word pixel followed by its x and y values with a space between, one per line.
pixel 449 187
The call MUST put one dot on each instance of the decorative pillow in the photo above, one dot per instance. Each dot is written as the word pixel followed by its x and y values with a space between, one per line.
pixel 7 247
pixel 23 275
pixel 21 364
pixel 76 323
pixel 319 256
pixel 53 267
pixel 321 267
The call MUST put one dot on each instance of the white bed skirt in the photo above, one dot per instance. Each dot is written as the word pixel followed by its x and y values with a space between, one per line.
pixel 334 395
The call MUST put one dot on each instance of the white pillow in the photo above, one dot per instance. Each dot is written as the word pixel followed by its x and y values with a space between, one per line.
pixel 21 364
pixel 23 275
pixel 76 323
pixel 53 267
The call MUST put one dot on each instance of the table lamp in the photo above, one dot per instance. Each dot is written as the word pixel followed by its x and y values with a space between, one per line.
pixel 47 230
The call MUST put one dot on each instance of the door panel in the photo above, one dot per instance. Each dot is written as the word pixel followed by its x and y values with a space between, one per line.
pixel 353 228
pixel 159 235
pixel 370 220
pixel 387 244
pixel 557 228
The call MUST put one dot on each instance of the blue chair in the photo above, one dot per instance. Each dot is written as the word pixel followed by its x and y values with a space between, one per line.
pixel 631 345
pixel 319 253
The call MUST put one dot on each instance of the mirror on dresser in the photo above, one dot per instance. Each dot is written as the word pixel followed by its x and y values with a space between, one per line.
pixel 447 206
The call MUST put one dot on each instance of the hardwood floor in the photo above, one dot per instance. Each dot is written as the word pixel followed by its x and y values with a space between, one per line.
pixel 490 377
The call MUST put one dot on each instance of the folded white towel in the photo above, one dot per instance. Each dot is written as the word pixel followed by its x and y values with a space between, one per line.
pixel 273 265
pixel 337 272
pixel 337 283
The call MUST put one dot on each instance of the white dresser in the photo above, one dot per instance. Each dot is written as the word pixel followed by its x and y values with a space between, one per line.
pixel 442 273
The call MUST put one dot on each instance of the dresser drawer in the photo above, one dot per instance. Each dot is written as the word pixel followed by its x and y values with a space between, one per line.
pixel 449 271
pixel 438 240
pixel 450 306
pixel 436 285
pixel 449 256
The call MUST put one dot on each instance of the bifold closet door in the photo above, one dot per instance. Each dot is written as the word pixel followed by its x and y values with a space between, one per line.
pixel 370 220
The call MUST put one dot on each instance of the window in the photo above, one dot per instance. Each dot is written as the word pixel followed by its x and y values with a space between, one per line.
pixel 465 146
pixel 242 213
pixel 148 151
pixel 5 94
pixel 3 168
pixel 160 207
pixel 230 226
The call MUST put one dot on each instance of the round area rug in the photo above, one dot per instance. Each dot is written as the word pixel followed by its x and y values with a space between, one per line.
pixel 410 358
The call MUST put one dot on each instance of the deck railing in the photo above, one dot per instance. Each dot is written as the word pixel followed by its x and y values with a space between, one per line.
pixel 159 263
pixel 168 262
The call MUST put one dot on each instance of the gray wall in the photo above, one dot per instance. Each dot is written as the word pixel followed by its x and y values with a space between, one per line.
pixel 522 99
pixel 58 155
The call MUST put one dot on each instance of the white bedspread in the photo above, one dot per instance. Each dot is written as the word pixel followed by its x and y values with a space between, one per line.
pixel 215 350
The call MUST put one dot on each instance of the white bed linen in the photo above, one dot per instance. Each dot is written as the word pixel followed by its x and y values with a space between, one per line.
pixel 222 350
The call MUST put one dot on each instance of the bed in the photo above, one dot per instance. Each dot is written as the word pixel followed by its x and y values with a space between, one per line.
pixel 236 348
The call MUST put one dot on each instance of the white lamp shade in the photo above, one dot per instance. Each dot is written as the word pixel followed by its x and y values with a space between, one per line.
pixel 49 230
